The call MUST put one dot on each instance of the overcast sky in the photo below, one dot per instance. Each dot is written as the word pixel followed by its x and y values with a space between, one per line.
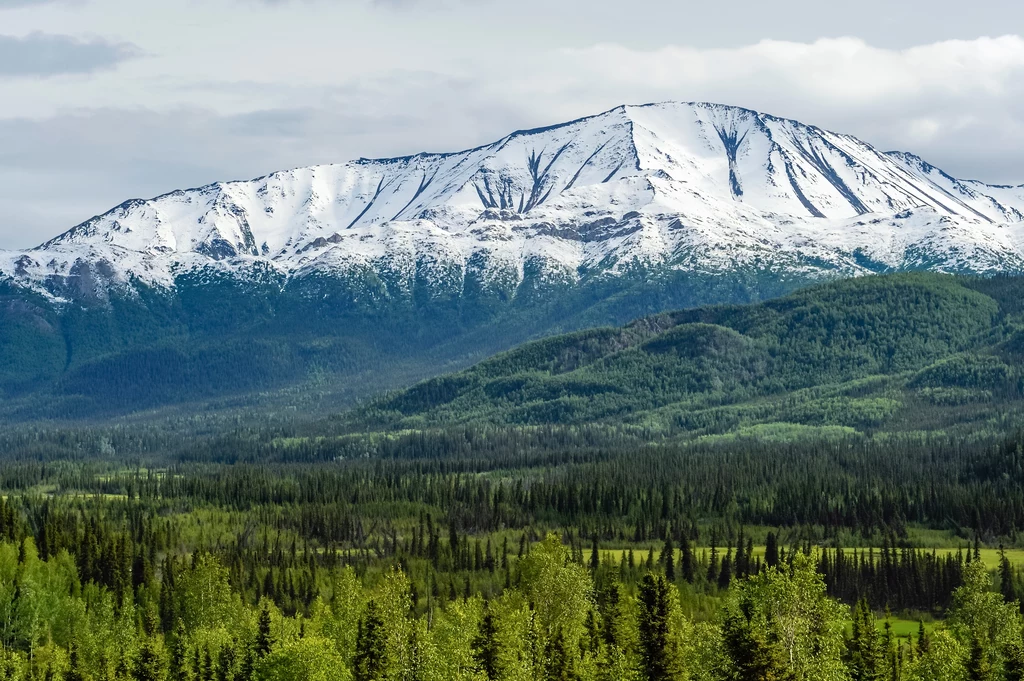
pixel 105 100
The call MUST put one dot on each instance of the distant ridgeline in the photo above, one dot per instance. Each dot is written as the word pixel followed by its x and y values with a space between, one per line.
pixel 899 352
pixel 910 352
pixel 238 343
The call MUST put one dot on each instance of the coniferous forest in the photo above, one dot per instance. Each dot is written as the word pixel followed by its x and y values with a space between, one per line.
pixel 824 486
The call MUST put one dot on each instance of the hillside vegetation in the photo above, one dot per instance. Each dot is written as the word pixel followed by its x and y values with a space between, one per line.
pixel 899 352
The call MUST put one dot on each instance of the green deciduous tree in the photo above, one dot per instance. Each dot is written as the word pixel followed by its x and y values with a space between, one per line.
pixel 782 625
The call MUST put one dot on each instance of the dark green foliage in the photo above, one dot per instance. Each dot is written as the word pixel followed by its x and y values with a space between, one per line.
pixel 486 647
pixel 750 652
pixel 109 352
pixel 264 637
pixel 76 669
pixel 866 647
pixel 655 605
pixel 831 355
pixel 771 551
pixel 979 668
pixel 151 664
pixel 370 660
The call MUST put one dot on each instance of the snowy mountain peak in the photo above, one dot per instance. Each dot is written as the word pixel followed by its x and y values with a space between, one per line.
pixel 685 185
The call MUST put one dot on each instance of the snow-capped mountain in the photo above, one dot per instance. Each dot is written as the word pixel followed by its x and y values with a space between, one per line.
pixel 687 186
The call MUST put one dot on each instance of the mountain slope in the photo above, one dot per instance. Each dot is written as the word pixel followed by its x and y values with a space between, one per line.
pixel 861 353
pixel 696 185
pixel 401 268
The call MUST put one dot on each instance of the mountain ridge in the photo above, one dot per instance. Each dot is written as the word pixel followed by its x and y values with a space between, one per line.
pixel 686 180
pixel 896 352
pixel 401 268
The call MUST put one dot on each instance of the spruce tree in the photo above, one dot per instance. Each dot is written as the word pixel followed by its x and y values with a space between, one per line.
pixel 978 666
pixel 226 662
pixel 151 663
pixel 179 653
pixel 264 639
pixel 1006 585
pixel 1014 665
pixel 865 648
pixel 76 668
pixel 559 662
pixel 486 646
pixel 654 601
pixel 725 575
pixel 369 662
pixel 686 560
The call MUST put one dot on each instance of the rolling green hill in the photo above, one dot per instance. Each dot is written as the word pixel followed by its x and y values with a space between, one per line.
pixel 214 341
pixel 899 352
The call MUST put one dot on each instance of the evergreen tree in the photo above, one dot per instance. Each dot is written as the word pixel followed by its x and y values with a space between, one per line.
pixel 979 667
pixel 922 638
pixel 226 662
pixel 151 663
pixel 782 625
pixel 209 671
pixel 77 670
pixel 655 603
pixel 485 645
pixel 1014 666
pixel 725 575
pixel 559 660
pixel 371 640
pixel 264 639
pixel 179 653
pixel 1006 582
pixel 686 560
pixel 865 648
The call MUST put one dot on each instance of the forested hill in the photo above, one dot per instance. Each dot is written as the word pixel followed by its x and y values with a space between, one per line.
pixel 899 352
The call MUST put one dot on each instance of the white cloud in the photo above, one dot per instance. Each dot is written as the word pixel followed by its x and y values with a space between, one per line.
pixel 961 102
pixel 167 121
pixel 843 70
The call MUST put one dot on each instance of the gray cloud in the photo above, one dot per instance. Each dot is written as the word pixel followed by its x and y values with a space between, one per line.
pixel 42 54
pixel 58 171
pixel 300 82
pixel 6 4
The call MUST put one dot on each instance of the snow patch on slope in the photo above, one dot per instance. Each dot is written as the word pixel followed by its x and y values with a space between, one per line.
pixel 701 187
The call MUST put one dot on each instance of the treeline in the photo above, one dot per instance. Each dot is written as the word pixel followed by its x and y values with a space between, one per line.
pixel 556 619
pixel 486 480
pixel 279 548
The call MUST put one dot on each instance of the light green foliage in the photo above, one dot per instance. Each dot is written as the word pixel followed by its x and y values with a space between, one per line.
pixel 946 659
pixel 312 658
pixel 979 617
pixel 338 618
pixel 703 652
pixel 776 625
pixel 446 651
pixel 516 637
pixel 780 621
pixel 206 596
pixel 392 604
pixel 35 596
pixel 151 662
pixel 560 590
